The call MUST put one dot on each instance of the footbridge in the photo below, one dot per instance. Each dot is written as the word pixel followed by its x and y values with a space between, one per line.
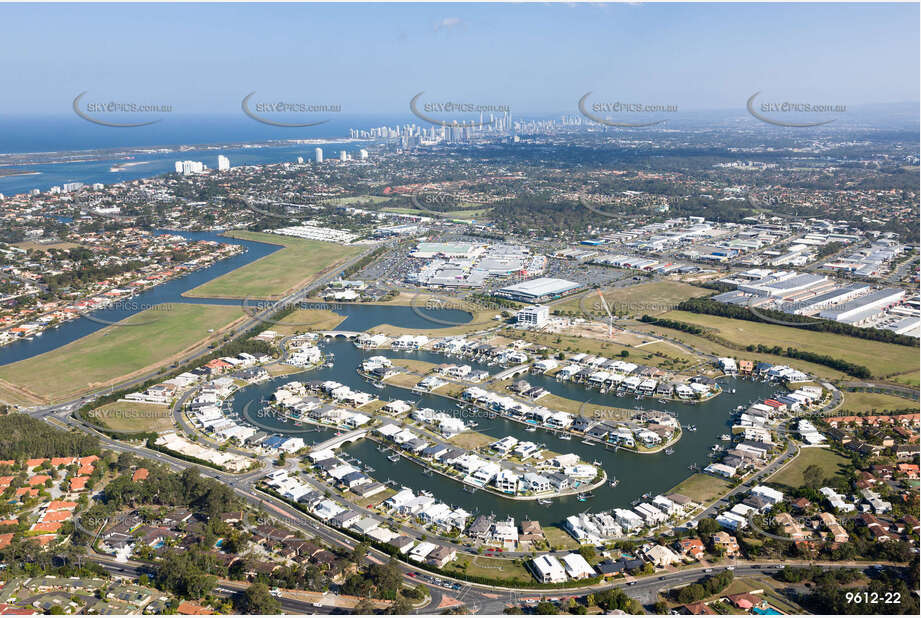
pixel 337 441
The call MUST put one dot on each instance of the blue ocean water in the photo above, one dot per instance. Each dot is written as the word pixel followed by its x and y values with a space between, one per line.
pixel 68 133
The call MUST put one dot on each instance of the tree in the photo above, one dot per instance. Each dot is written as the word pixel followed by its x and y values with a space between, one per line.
pixel 588 552
pixel 707 526
pixel 661 607
pixel 257 599
pixel 546 608
pixel 400 607
pixel 364 607
pixel 813 476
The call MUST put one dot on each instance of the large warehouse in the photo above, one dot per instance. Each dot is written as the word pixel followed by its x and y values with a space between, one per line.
pixel 536 290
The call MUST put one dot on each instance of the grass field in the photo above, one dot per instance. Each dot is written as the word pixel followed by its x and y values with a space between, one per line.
pixel 497 568
pixel 651 298
pixel 559 539
pixel 792 476
pixel 866 402
pixel 880 358
pixel 910 378
pixel 131 417
pixel 471 440
pixel 701 488
pixel 296 264
pixel 116 351
pixel 305 320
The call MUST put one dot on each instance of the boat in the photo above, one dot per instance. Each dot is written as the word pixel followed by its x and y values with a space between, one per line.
pixel 471 490
pixel 394 458
pixel 581 498
pixel 692 427
pixel 669 451
pixel 614 481
pixel 530 428
pixel 725 437
pixel 544 501
pixel 565 436
pixel 377 385
pixel 586 442
pixel 596 463
pixel 426 493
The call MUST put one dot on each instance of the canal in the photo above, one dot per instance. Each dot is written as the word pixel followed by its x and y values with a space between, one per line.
pixel 638 474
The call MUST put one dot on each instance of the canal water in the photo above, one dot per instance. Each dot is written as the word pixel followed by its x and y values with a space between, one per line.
pixel 169 292
pixel 638 474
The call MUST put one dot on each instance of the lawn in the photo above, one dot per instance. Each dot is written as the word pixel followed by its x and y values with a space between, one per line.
pixel 792 475
pixel 880 358
pixel 306 320
pixel 559 539
pixel 860 401
pixel 132 417
pixel 645 298
pixel 471 440
pixel 911 378
pixel 701 488
pixel 299 262
pixel 142 342
pixel 497 568
pixel 655 354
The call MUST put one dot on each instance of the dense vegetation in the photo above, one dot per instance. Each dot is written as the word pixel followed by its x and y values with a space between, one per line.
pixel 23 437
pixel 675 324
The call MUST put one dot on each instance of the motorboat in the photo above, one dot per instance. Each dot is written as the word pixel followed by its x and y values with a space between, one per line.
pixel 614 481
pixel 725 437
pixel 596 463
pixel 544 501
pixel 669 451
pixel 565 436
pixel 394 458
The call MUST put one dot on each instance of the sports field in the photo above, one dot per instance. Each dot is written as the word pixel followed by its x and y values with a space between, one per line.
pixel 143 341
pixel 880 358
pixel 299 262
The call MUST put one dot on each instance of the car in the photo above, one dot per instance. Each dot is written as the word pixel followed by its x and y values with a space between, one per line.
pixel 631 583
pixel 708 571
pixel 730 568
pixel 318 605
pixel 661 578
pixel 411 574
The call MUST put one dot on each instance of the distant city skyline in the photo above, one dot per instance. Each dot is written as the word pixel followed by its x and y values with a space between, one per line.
pixel 536 59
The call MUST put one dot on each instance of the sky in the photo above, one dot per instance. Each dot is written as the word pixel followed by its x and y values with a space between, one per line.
pixel 535 58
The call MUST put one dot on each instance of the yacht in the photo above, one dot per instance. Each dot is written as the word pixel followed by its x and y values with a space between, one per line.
pixel 544 501
pixel 584 497
pixel 614 481
pixel 565 436
pixel 426 493
pixel 530 428
pixel 669 451
pixel 725 437
pixel 394 458
pixel 596 463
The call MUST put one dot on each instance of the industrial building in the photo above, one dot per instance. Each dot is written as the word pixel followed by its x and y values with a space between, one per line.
pixel 536 290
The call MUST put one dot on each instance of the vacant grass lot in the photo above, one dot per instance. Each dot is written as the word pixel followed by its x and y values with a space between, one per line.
pixel 880 358
pixel 701 488
pixel 792 476
pixel 866 402
pixel 299 262
pixel 651 298
pixel 116 351
pixel 131 417
pixel 497 568
pixel 306 320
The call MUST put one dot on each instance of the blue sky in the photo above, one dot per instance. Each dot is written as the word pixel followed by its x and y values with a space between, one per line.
pixel 536 58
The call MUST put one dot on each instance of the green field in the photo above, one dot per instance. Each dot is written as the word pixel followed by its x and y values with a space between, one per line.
pixel 701 488
pixel 305 320
pixel 866 402
pixel 131 417
pixel 650 298
pixel 880 358
pixel 497 568
pixel 299 262
pixel 155 338
pixel 792 476
pixel 910 378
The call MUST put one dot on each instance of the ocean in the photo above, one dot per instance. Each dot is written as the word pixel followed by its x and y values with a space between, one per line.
pixel 60 134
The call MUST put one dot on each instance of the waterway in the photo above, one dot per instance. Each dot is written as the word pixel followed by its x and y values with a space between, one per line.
pixel 638 474
pixel 169 292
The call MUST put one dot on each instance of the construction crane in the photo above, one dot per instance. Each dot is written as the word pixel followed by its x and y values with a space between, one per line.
pixel 607 310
